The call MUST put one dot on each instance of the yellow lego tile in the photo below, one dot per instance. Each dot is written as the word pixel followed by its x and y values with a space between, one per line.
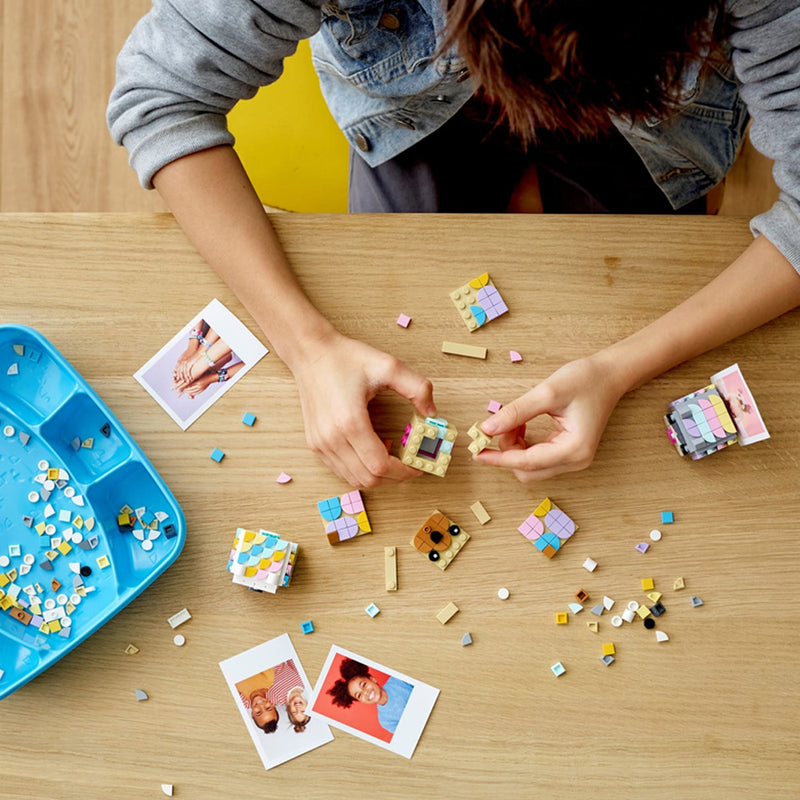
pixel 608 649
pixel 64 548
pixel 562 618
pixel 647 584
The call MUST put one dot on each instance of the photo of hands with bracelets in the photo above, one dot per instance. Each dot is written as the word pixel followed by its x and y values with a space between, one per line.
pixel 207 360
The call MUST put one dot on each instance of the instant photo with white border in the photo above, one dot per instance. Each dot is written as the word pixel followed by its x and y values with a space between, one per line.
pixel 730 383
pixel 285 743
pixel 187 403
pixel 414 716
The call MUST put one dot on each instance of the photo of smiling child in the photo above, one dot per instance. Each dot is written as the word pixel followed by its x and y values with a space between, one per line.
pixel 373 702
pixel 271 692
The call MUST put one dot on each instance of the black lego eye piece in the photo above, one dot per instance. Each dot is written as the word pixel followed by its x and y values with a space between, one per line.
pixel 436 537
pixel 454 530
pixel 434 555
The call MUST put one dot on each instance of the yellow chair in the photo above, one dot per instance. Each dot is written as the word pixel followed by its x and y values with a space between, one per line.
pixel 291 148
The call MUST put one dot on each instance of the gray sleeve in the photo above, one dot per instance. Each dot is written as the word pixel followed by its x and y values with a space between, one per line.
pixel 187 63
pixel 766 41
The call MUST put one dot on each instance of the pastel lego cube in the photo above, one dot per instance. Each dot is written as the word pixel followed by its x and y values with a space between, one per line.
pixel 478 302
pixel 261 560
pixel 699 423
pixel 345 517
pixel 548 527
pixel 249 419
pixel 440 539
pixel 428 444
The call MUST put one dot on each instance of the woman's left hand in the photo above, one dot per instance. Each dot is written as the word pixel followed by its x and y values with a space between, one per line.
pixel 579 397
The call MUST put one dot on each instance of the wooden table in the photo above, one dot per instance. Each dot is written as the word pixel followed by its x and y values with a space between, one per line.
pixel 711 713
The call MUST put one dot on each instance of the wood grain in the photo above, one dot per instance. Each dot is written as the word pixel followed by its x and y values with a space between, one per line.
pixel 711 713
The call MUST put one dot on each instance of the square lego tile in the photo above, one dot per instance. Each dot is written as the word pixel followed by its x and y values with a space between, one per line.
pixel 548 527
pixel 478 302
pixel 440 539
pixel 345 517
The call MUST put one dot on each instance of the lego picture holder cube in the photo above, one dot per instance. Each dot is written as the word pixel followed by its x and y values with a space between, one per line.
pixel 548 528
pixel 440 539
pixel 715 417
pixel 262 560
pixel 345 517
pixel 428 444
pixel 478 302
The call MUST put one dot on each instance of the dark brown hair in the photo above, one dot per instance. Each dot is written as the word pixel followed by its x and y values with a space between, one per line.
pixel 566 64
pixel 348 669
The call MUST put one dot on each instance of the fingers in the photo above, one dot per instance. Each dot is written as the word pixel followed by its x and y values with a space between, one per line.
pixel 542 460
pixel 538 400
pixel 412 386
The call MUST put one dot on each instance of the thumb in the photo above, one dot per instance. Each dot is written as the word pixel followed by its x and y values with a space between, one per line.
pixel 415 388
pixel 517 413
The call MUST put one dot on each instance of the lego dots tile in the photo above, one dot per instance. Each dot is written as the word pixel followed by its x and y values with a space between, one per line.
pixel 345 517
pixel 428 444
pixel 440 539
pixel 478 302
pixel 548 527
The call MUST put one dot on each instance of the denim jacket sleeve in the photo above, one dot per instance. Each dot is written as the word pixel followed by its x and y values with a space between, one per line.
pixel 765 36
pixel 187 63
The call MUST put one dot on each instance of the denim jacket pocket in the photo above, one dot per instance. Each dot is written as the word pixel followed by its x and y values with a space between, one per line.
pixel 370 42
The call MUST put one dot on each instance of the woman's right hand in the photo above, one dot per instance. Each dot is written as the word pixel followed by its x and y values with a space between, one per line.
pixel 335 388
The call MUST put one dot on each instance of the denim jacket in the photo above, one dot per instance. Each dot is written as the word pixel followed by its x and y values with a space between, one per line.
pixel 188 61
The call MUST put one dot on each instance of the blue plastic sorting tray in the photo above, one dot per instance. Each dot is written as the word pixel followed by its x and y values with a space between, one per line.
pixel 50 415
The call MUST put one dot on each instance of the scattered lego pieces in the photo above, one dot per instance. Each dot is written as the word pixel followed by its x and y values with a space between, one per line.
pixel 404 320
pixel 140 695
pixel 466 639
pixel 562 618
pixel 598 610
pixel 594 626
pixel 647 584
pixel 548 527
pixel 179 640
pixel 131 650
pixel 494 406
pixel 590 564
pixel 514 356
pixel 179 618
pixel 345 517
pixel 447 613
pixel 261 561
pixel 468 350
pixel 581 595
pixel 503 593
pixel 167 789
pixel 440 539
pixel 558 669
pixel 609 649
pixel 608 603
pixel 575 608
pixel 481 514
pixel 13 369
pixel 696 601
pixel 372 610
pixel 616 620
pixel 649 623
pixel 249 419
pixel 642 547
pixel 283 478
pixel 655 535
pixel 607 659
pixel 667 517
pixel 478 302
pixel 390 568
pixel 307 626
pixel 679 584
pixel 661 636
pixel 480 441
pixel 217 455
pixel 428 444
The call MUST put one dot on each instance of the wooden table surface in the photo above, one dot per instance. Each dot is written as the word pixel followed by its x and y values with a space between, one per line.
pixel 713 713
